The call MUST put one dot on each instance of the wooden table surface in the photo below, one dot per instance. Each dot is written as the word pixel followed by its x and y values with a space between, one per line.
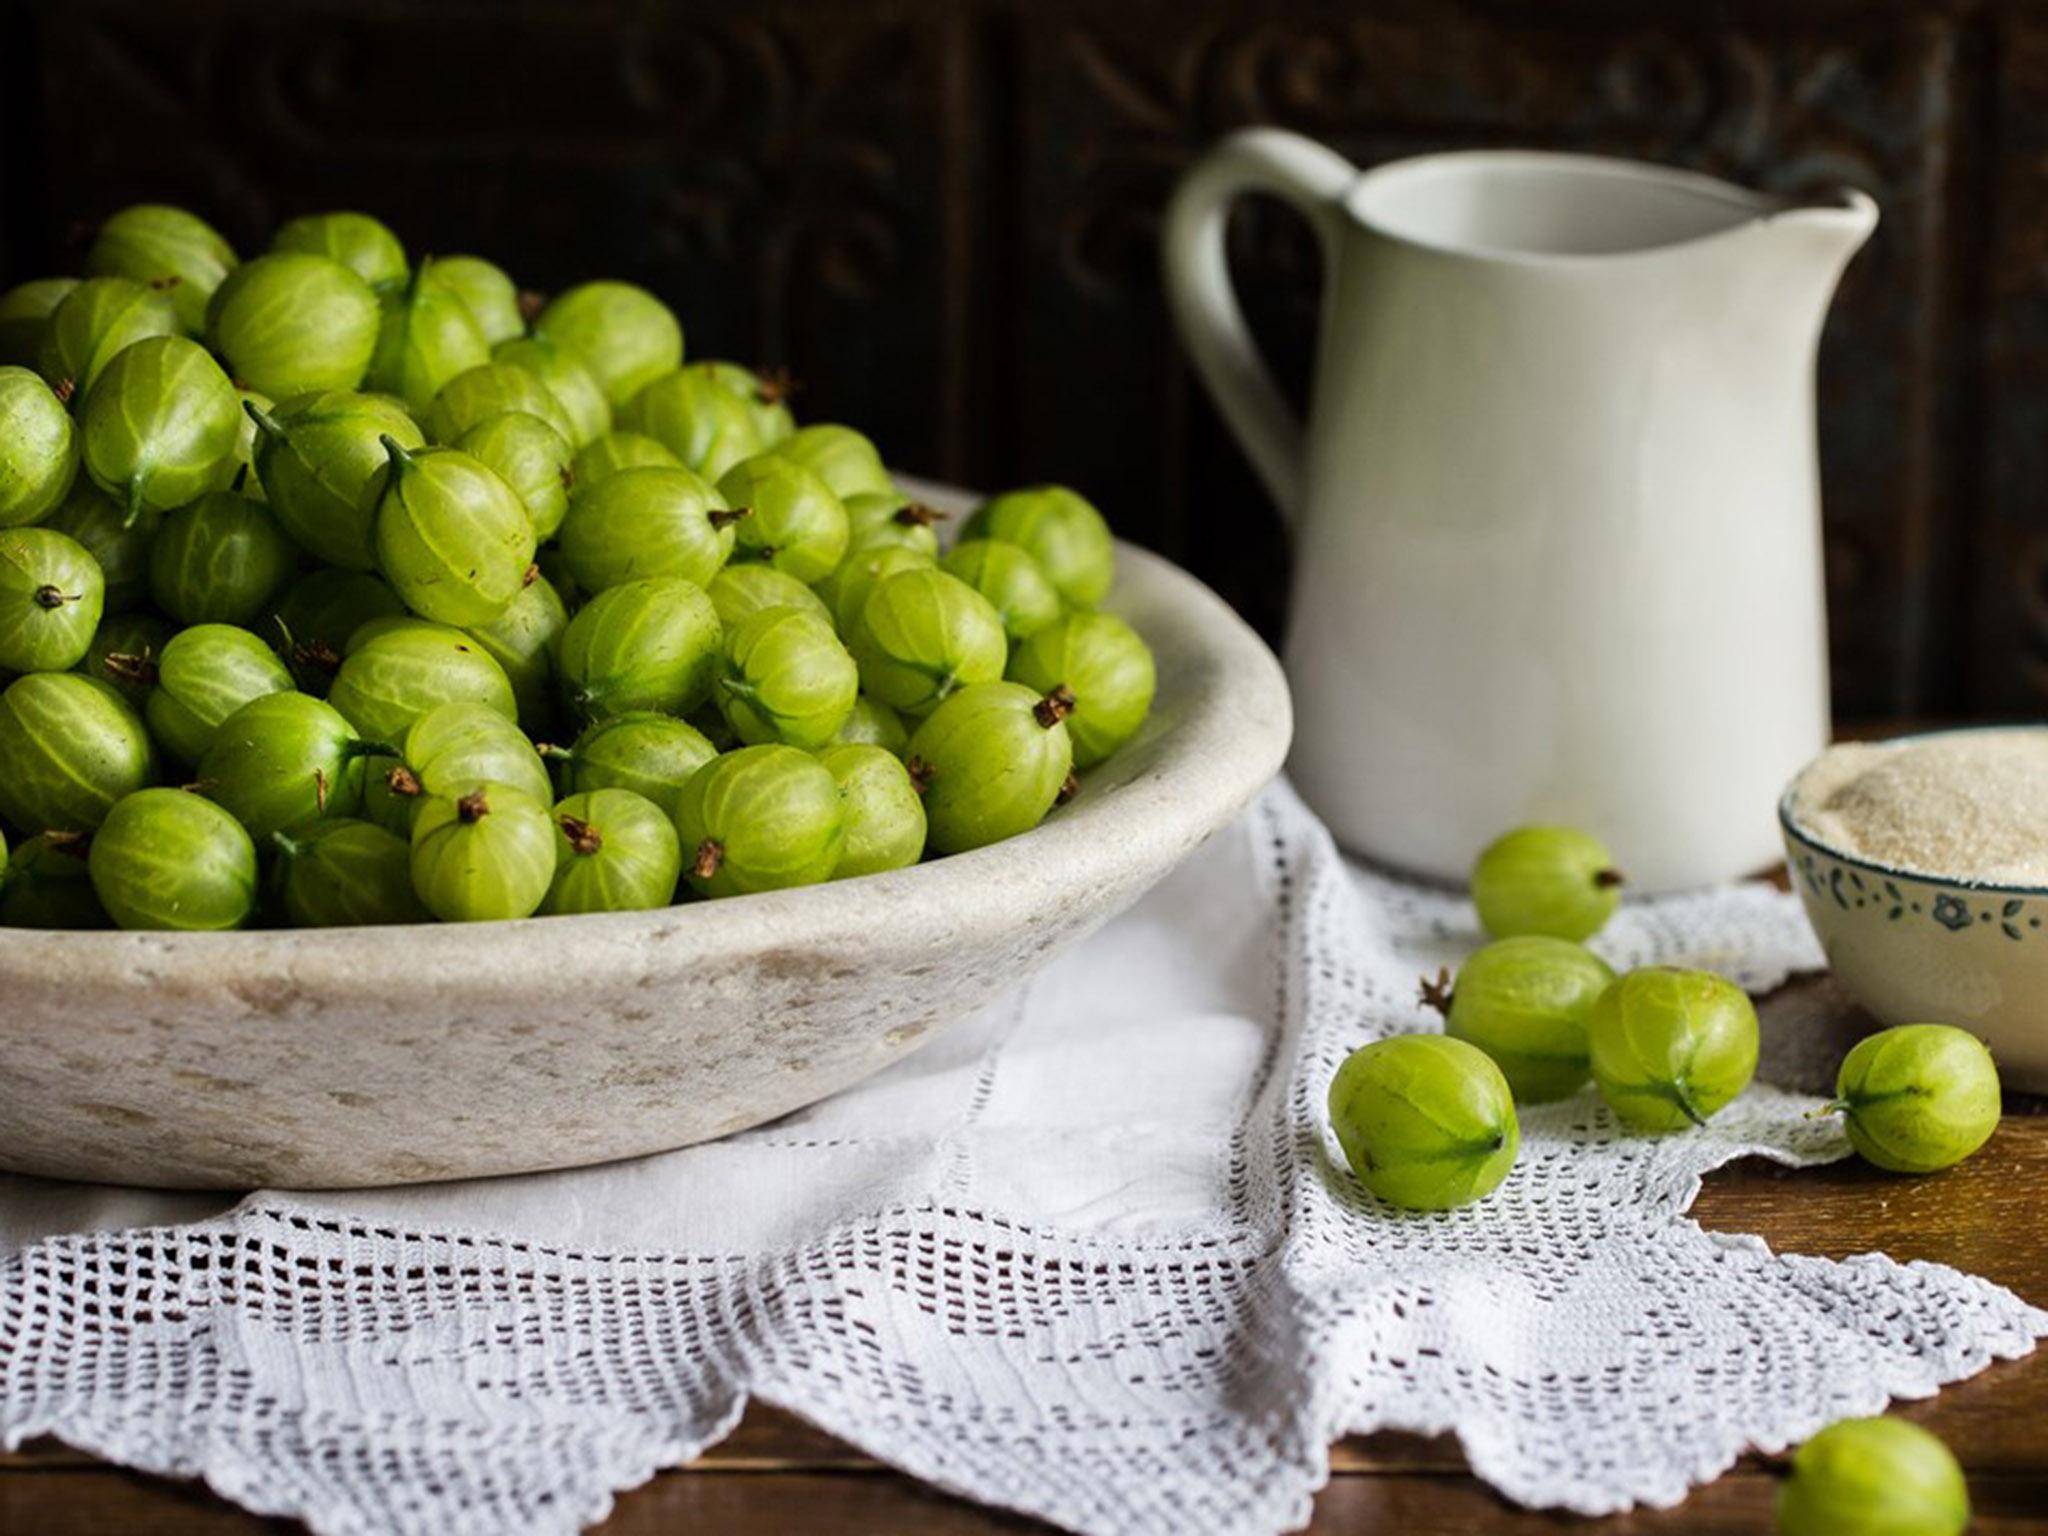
pixel 777 1474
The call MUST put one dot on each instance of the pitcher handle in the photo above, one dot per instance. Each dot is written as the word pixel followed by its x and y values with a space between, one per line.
pixel 1205 308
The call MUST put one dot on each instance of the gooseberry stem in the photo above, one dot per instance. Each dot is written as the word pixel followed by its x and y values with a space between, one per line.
pixel 131 669
pixel 290 847
pixel 1832 1107
pixel 1437 993
pixel 472 808
pixel 710 854
pixel 1054 707
pixel 553 753
pixel 1608 879
pixel 266 423
pixel 1070 786
pixel 134 507
pixel 583 837
pixel 720 517
pixel 48 596
pixel 400 458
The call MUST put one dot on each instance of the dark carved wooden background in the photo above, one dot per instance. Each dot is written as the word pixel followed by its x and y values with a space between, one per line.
pixel 941 214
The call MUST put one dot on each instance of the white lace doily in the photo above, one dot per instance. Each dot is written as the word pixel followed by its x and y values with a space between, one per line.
pixel 1092 1255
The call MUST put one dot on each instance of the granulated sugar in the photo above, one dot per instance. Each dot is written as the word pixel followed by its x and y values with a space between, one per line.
pixel 1970 805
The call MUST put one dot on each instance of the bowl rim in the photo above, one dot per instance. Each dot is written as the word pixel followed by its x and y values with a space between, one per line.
pixel 1798 833
pixel 1234 731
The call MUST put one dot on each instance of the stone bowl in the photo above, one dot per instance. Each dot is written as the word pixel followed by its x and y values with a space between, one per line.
pixel 353 1057
pixel 1916 948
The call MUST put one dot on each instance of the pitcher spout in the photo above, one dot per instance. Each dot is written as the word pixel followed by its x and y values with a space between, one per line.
pixel 1828 226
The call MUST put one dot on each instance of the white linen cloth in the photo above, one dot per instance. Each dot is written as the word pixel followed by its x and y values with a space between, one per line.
pixel 1091 1255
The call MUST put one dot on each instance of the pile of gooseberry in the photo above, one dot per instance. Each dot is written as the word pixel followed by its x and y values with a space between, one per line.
pixel 339 588
pixel 1427 1122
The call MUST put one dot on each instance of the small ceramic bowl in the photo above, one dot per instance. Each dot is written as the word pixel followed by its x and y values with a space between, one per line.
pixel 1915 948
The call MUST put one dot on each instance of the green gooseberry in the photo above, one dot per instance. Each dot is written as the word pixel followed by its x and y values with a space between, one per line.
pixel 1107 668
pixel 426 337
pixel 295 323
pixel 1917 1098
pixel 881 520
pixel 649 753
pixel 1525 1002
pixel 615 851
pixel 344 873
pixel 396 670
pixel 624 335
pixel 599 460
pixel 484 854
pixel 165 248
pixel 1671 1047
pixel 70 747
pixel 795 523
pixel 785 677
pixel 1557 881
pixel 739 591
pixel 760 819
pixel 885 825
pixel 992 760
pixel 453 539
pixel 765 395
pixel 921 635
pixel 875 725
pixel 574 387
pixel 220 561
pixel 314 617
pixel 51 598
pixel 640 523
pixel 319 458
pixel 523 640
pixel 120 547
pixel 124 653
pixel 1011 581
pixel 25 311
pixel 46 884
pixel 285 758
pixel 531 457
pixel 38 449
pixel 491 390
pixel 161 426
pixel 704 424
pixel 97 319
pixel 203 676
pixel 364 245
pixel 1426 1122
pixel 645 645
pixel 492 297
pixel 1062 531
pixel 841 457
pixel 845 591
pixel 1873 1477
pixel 446 749
pixel 166 859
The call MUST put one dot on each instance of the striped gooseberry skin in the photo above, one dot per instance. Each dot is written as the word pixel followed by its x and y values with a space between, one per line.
pixel 562 373
pixel 70 749
pixel 1671 1047
pixel 491 389
pixel 841 457
pixel 523 640
pixel 531 457
pixel 874 724
pixel 284 759
pixel 294 323
pixel 95 321
pixel 427 337
pixel 1010 579
pixel 344 873
pixel 46 885
pixel 845 592
pixel 794 522
pixel 1106 666
pixel 1062 531
pixel 1426 1122
pixel 785 677
pixel 38 449
pixel 645 645
pixel 615 851
pixel 760 819
pixel 51 598
pixel 696 418
pixel 161 426
pixel 645 751
pixel 885 821
pixel 168 249
pixel 203 676
pixel 993 759
pixel 318 458
pixel 739 591
pixel 365 245
pixel 643 523
pixel 166 859
pixel 482 854
pixel 92 517
pixel 615 452
pixel 453 539
pixel 220 561
pixel 492 296
pixel 922 634
pixel 623 334
pixel 398 669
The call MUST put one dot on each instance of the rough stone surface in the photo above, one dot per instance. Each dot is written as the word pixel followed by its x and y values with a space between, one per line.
pixel 384 1056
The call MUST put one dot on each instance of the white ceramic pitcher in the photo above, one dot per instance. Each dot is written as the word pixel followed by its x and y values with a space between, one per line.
pixel 1557 506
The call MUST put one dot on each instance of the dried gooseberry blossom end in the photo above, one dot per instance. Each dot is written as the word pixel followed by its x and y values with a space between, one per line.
pixel 583 837
pixel 473 807
pixel 710 854
pixel 1054 707
pixel 1436 992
